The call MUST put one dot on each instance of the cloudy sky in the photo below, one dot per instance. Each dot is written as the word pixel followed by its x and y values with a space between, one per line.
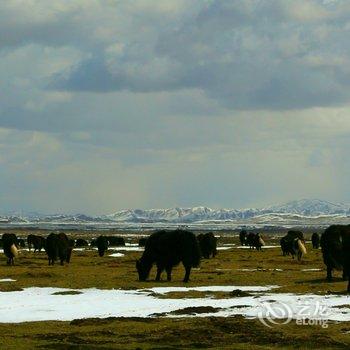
pixel 111 104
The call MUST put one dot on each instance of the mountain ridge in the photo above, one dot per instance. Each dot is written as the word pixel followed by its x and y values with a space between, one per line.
pixel 310 208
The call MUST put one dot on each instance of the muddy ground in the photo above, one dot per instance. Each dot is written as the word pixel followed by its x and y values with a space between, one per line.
pixel 88 270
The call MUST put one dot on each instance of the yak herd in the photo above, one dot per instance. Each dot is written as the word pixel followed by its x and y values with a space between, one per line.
pixel 166 249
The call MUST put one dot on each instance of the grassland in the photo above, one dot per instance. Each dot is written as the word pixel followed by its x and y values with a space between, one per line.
pixel 88 270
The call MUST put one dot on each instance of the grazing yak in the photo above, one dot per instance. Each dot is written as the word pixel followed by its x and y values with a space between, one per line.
pixel 255 241
pixel 167 249
pixel 58 246
pixel 21 242
pixel 102 245
pixel 115 241
pixel 10 246
pixel 81 243
pixel 142 241
pixel 93 242
pixel 243 237
pixel 315 239
pixel 284 246
pixel 37 242
pixel 293 244
pixel 335 244
pixel 207 244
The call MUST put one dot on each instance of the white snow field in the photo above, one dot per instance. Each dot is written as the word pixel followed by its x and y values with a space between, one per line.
pixel 41 304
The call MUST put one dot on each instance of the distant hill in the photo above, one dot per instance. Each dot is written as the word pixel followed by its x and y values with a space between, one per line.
pixel 310 209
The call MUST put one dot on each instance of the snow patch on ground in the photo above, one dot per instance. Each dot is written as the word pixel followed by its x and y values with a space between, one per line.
pixel 263 247
pixel 128 248
pixel 163 290
pixel 259 269
pixel 7 280
pixel 116 255
pixel 40 304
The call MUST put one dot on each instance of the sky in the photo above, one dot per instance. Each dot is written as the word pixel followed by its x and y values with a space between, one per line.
pixel 113 104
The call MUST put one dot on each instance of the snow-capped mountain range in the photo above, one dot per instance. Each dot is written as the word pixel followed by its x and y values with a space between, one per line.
pixel 299 210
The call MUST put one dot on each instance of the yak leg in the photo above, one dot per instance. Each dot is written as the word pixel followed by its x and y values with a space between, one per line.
pixel 159 272
pixel 329 274
pixel 168 273
pixel 345 273
pixel 187 274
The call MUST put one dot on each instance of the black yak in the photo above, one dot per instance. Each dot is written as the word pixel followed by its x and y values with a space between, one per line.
pixel 284 246
pixel 81 243
pixel 10 246
pixel 259 242
pixel 335 244
pixel 207 244
pixel 142 241
pixel 315 239
pixel 102 245
pixel 295 234
pixel 21 243
pixel 115 241
pixel 250 239
pixel 255 241
pixel 243 237
pixel 293 244
pixel 58 246
pixel 287 242
pixel 37 242
pixel 167 249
